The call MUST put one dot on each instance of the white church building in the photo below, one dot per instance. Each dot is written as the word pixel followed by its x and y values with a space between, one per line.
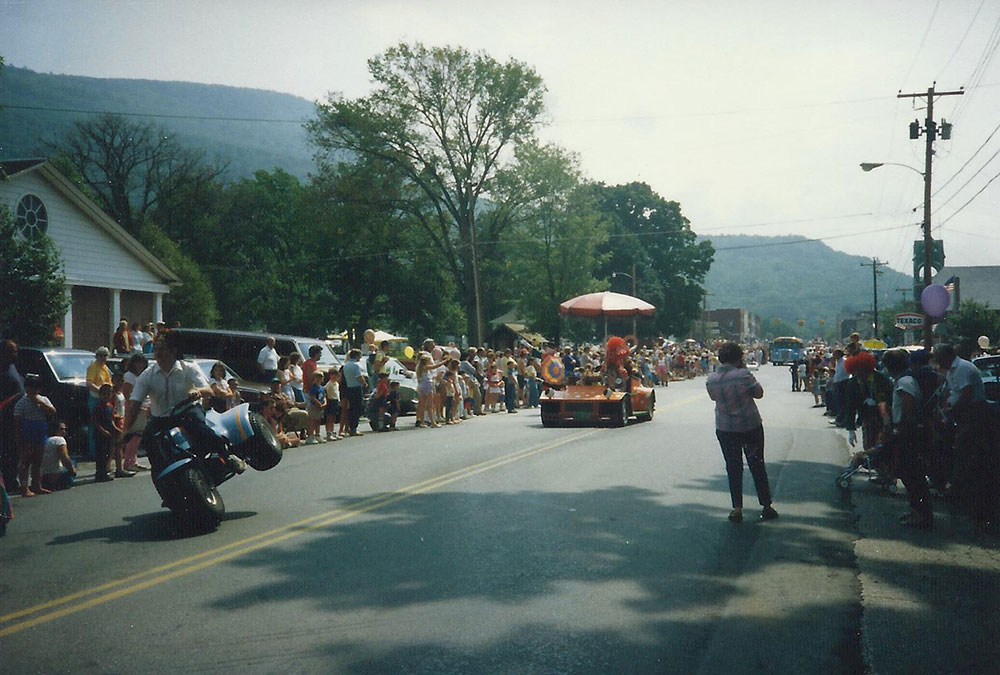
pixel 109 274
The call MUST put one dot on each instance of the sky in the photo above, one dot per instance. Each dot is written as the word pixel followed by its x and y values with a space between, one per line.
pixel 753 115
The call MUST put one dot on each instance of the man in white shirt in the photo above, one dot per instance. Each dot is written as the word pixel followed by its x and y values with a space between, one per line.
pixel 267 360
pixel 167 382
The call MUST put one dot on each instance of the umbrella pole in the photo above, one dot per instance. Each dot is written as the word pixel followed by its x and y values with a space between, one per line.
pixel 605 329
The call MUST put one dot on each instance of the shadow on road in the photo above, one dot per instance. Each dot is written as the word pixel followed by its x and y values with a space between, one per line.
pixel 567 582
pixel 158 526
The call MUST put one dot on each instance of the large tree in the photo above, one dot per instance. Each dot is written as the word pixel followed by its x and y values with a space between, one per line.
pixel 973 319
pixel 649 232
pixel 447 119
pixel 32 285
pixel 129 167
pixel 552 247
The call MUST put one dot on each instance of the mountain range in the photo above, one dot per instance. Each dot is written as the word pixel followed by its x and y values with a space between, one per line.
pixel 787 278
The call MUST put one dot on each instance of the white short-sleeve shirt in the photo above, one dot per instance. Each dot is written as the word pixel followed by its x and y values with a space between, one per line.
pixel 167 388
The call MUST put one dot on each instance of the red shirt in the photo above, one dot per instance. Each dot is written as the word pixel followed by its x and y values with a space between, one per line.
pixel 308 368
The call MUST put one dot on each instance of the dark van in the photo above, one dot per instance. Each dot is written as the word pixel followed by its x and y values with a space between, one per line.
pixel 239 349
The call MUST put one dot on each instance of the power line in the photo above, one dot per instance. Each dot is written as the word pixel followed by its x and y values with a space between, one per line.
pixel 962 40
pixel 968 161
pixel 941 224
pixel 927 31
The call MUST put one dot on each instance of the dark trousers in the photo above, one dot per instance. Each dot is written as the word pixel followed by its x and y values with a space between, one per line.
pixel 510 395
pixel 736 444
pixel 356 400
pixel 975 475
pixel 102 453
pixel 912 471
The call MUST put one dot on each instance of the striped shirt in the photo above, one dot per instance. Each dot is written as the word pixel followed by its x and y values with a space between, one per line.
pixel 733 390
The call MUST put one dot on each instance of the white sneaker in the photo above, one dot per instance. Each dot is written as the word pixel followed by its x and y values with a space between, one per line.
pixel 312 440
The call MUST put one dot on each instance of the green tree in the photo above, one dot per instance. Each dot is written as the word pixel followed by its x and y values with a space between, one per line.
pixel 129 167
pixel 971 320
pixel 193 302
pixel 32 285
pixel 261 255
pixel 555 233
pixel 446 118
pixel 649 232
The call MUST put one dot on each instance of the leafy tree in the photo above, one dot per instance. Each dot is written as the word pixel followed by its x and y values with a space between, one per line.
pixel 259 258
pixel 129 167
pixel 649 232
pixel 32 285
pixel 973 319
pixel 193 302
pixel 555 233
pixel 445 118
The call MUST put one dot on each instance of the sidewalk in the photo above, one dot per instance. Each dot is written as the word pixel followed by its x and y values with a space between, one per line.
pixel 930 599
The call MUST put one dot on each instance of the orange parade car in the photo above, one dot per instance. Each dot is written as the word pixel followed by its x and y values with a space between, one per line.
pixel 592 405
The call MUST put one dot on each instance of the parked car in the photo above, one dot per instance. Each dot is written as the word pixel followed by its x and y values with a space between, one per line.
pixel 989 368
pixel 64 382
pixel 239 349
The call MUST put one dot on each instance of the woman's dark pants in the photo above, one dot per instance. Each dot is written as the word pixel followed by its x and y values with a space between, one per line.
pixel 736 444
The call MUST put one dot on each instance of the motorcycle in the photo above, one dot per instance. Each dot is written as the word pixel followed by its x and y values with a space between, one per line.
pixel 187 470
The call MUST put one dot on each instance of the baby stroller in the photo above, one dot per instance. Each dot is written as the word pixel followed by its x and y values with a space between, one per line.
pixel 879 463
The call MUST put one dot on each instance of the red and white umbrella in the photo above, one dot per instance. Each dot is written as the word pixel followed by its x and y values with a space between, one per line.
pixel 606 304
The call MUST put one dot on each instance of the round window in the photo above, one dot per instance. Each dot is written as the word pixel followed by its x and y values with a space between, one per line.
pixel 31 217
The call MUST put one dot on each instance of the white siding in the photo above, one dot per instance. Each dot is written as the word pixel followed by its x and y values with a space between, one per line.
pixel 91 256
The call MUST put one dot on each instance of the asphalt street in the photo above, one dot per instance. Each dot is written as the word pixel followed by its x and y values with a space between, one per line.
pixel 494 546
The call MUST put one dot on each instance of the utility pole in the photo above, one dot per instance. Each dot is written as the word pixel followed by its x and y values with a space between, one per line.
pixel 875 264
pixel 930 131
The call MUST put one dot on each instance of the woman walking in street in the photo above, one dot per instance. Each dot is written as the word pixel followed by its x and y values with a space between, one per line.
pixel 739 428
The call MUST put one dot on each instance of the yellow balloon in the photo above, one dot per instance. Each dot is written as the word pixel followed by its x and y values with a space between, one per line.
pixel 408 352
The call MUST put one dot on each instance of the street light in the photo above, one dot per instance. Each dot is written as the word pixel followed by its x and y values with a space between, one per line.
pixel 632 277
pixel 928 241
pixel 868 166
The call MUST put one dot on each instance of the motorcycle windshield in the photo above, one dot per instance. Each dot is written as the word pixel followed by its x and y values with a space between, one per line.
pixel 233 424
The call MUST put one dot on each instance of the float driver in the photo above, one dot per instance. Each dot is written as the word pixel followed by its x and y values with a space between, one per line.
pixel 169 381
pixel 617 367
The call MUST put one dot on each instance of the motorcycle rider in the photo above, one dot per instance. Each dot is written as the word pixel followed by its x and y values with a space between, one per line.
pixel 169 381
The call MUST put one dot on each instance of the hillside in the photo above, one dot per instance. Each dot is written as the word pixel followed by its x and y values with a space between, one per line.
pixel 246 145
pixel 793 281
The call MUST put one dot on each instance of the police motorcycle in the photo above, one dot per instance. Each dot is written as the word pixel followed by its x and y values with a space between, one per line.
pixel 186 451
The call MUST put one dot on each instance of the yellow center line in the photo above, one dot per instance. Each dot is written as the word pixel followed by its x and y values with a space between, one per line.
pixel 190 564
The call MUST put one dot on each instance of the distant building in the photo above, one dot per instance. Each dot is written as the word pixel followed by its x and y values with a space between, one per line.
pixel 109 274
pixel 737 325
pixel 981 284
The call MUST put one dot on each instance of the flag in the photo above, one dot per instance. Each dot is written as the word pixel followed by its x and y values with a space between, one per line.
pixel 950 285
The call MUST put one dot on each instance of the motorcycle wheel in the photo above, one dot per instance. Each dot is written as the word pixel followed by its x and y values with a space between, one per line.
pixel 263 451
pixel 195 500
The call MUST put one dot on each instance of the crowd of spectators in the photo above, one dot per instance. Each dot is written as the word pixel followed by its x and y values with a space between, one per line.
pixel 924 420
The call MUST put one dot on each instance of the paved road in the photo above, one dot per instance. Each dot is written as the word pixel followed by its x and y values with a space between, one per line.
pixel 496 546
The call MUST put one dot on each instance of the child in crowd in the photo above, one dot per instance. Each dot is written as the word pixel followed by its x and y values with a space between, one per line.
pixel 380 402
pixel 819 387
pixel 105 432
pixel 345 404
pixel 58 470
pixel 332 388
pixel 468 404
pixel 235 398
pixel 393 404
pixel 273 410
pixel 450 397
pixel 494 389
pixel 31 419
pixel 315 408
pixel 118 418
